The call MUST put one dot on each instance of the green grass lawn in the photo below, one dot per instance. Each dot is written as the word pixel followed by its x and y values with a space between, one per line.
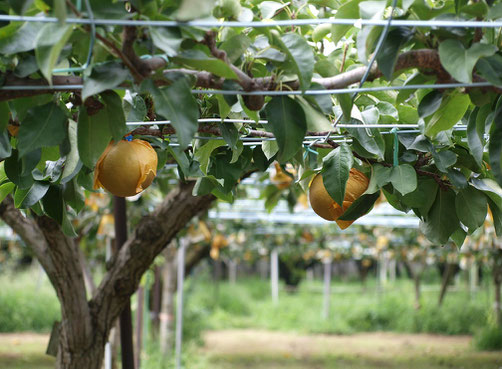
pixel 354 308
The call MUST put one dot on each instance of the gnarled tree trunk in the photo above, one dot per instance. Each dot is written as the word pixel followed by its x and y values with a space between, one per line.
pixel 86 324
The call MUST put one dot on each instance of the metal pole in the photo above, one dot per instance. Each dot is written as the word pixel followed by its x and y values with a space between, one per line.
pixel 139 325
pixel 327 289
pixel 179 305
pixel 120 217
pixel 274 275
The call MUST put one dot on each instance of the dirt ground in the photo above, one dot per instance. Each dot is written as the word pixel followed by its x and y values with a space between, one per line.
pixel 246 349
pixel 24 351
pixel 254 348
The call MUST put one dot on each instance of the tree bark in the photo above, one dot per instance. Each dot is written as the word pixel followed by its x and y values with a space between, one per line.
pixel 446 281
pixel 86 324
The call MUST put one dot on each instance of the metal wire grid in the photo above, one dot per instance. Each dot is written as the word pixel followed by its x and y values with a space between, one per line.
pixel 269 23
pixel 259 24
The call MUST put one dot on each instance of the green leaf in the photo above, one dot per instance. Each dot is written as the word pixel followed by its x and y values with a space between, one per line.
pixel 360 207
pixel 490 68
pixel 475 137
pixel 444 159
pixel 387 57
pixel 29 197
pixel 270 148
pixel 20 6
pixel 196 59
pixel 166 39
pixel 5 147
pixel 19 170
pixel 72 161
pixel 93 136
pixel 458 237
pixel 316 121
pixel 335 172
pixel 321 31
pixel 456 178
pixel 495 147
pixel 471 206
pixel 73 196
pixel 430 103
pixel 236 46
pixel 369 140
pixel 24 39
pixel 177 103
pixel 203 153
pixel 115 114
pixel 287 121
pixel 6 189
pixel 442 219
pixel 380 176
pixel 349 10
pixel 404 178
pixel 43 126
pixel 495 11
pixel 423 197
pixel 459 62
pixel 299 53
pixel 105 76
pixel 269 8
pixel 490 188
pixel 50 41
pixel 193 9
pixel 53 203
pixel 134 108
pixel 451 111
pixel 496 216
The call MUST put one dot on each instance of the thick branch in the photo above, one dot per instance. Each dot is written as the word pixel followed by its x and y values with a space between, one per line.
pixel 426 60
pixel 29 232
pixel 150 237
pixel 59 256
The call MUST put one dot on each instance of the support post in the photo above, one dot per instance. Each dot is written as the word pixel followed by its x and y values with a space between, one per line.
pixel 232 271
pixel 274 275
pixel 179 303
pixel 473 278
pixel 139 325
pixel 120 217
pixel 327 288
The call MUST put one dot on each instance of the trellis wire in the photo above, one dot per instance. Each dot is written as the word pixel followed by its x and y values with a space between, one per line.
pixel 263 121
pixel 259 24
pixel 280 93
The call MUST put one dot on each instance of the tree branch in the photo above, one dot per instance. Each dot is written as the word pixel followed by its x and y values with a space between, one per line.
pixel 426 60
pixel 29 232
pixel 59 257
pixel 150 237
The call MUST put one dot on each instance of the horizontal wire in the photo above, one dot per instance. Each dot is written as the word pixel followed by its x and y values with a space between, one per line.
pixel 342 90
pixel 202 120
pixel 263 121
pixel 281 93
pixel 259 24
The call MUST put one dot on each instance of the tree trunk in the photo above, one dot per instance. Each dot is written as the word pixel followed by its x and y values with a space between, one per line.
pixel 86 323
pixel 88 356
pixel 416 280
pixel 446 281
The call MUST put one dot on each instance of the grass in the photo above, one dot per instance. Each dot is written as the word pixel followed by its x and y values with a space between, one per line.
pixel 27 303
pixel 24 351
pixel 353 308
